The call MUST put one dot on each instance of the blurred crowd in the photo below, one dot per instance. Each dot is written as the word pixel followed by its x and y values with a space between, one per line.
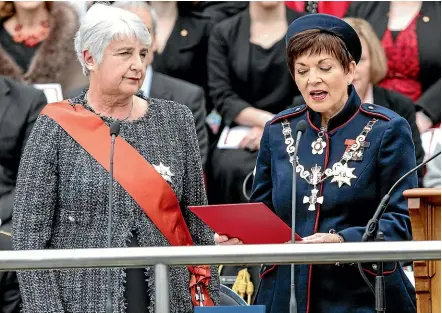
pixel 226 61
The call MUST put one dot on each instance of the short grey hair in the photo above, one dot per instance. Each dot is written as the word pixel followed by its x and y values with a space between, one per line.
pixel 139 5
pixel 101 25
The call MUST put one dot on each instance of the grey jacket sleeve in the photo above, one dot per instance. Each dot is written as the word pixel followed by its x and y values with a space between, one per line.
pixel 194 194
pixel 34 207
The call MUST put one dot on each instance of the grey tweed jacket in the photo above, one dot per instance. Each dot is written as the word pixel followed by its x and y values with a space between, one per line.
pixel 61 203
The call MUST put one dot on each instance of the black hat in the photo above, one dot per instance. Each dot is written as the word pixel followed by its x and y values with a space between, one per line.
pixel 330 24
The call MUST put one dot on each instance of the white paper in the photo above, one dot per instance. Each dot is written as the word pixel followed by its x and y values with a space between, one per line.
pixel 232 137
pixel 430 139
pixel 410 276
pixel 52 92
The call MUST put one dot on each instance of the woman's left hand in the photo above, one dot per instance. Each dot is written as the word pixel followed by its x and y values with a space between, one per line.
pixel 423 122
pixel 252 140
pixel 322 238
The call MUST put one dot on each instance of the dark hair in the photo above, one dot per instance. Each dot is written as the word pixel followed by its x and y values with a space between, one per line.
pixel 316 41
pixel 7 8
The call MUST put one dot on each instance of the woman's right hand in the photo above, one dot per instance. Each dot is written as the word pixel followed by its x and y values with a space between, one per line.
pixel 224 240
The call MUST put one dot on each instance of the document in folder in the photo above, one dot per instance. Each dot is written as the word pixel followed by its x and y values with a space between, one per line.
pixel 252 223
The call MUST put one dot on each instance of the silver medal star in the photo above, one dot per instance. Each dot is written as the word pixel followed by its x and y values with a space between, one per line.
pixel 164 171
pixel 343 175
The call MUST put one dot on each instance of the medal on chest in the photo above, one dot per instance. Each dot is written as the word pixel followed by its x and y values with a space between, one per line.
pixel 340 172
pixel 319 144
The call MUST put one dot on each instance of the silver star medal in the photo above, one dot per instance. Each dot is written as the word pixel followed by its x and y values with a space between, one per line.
pixel 343 175
pixel 314 180
pixel 164 171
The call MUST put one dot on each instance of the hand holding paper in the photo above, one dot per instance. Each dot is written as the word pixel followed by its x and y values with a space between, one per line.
pixel 224 240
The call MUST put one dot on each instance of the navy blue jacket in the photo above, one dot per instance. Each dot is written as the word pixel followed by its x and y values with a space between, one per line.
pixel 346 210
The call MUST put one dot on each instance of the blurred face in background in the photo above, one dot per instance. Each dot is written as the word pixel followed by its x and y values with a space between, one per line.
pixel 269 4
pixel 29 5
pixel 362 79
pixel 146 17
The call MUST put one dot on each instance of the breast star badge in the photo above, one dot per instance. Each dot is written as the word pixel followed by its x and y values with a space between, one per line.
pixel 343 175
pixel 164 171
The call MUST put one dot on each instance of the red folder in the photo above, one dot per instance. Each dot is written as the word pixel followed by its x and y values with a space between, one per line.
pixel 252 223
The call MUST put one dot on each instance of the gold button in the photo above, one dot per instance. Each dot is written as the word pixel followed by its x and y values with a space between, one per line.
pixel 426 19
pixel 184 32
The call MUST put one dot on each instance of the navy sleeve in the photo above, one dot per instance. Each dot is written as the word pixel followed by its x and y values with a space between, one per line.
pixel 33 214
pixel 262 184
pixel 396 157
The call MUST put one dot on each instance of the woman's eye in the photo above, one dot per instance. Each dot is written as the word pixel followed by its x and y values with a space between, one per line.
pixel 302 72
pixel 325 69
pixel 124 53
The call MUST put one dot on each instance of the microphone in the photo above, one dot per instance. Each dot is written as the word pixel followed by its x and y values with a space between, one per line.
pixel 373 223
pixel 300 129
pixel 372 233
pixel 114 131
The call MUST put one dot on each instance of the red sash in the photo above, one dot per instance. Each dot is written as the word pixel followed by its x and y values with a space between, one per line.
pixel 138 177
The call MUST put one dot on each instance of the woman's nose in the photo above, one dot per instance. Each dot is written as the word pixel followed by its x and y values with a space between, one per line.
pixel 313 77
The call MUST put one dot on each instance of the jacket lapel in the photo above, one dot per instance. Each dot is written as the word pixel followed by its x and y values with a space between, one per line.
pixel 157 89
pixel 379 96
pixel 291 15
pixel 5 100
pixel 242 47
pixel 381 24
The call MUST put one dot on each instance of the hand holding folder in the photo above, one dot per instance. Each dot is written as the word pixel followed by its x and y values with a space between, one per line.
pixel 252 223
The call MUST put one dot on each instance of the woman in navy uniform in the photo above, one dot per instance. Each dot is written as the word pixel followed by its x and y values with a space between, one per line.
pixel 349 157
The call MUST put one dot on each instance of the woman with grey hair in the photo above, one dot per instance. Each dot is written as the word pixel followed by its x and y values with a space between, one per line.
pixel 62 191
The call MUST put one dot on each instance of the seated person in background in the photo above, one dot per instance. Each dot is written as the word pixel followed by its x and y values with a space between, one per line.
pixel 370 70
pixel 411 37
pixel 181 42
pixel 249 82
pixel 219 10
pixel 160 86
pixel 36 43
pixel 19 108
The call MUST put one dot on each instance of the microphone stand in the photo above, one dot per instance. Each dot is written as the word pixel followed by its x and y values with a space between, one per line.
pixel 372 233
pixel 300 129
pixel 114 131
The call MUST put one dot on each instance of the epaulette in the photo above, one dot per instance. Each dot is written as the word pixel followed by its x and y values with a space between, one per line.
pixel 289 113
pixel 377 111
